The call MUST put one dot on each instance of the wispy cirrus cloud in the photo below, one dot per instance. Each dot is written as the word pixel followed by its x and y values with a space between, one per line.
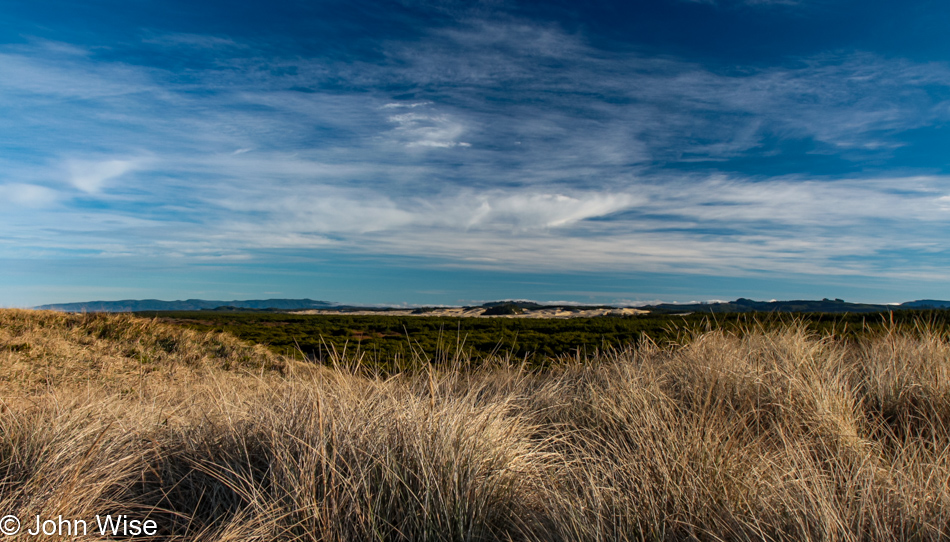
pixel 504 144
pixel 27 195
pixel 426 130
pixel 92 176
pixel 189 40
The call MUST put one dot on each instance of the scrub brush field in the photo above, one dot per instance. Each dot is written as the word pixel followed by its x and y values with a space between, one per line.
pixel 746 432
pixel 391 343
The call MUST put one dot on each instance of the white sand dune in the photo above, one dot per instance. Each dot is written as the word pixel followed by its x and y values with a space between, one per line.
pixel 478 312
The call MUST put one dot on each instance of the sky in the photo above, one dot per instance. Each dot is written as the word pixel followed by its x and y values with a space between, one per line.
pixel 445 153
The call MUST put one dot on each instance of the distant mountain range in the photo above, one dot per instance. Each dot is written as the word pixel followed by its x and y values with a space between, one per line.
pixel 739 305
pixel 135 305
pixel 825 305
pixel 749 305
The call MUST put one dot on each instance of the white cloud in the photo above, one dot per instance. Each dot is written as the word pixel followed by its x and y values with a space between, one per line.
pixel 530 210
pixel 411 105
pixel 717 225
pixel 27 195
pixel 422 130
pixel 321 210
pixel 201 41
pixel 92 176
pixel 67 74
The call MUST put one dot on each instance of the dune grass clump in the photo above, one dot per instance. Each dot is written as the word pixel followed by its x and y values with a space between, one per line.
pixel 775 434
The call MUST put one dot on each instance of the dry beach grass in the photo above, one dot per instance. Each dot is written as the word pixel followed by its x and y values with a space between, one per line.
pixel 771 435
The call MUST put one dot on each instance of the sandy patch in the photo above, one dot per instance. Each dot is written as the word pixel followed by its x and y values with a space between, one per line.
pixel 477 312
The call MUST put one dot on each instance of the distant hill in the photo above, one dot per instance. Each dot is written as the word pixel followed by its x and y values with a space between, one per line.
pixel 516 303
pixel 749 305
pixel 531 305
pixel 926 304
pixel 134 305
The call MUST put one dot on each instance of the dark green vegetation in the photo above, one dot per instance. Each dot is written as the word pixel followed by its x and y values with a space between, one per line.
pixel 388 342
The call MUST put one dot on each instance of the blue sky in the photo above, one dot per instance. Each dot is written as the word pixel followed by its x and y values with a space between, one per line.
pixel 456 152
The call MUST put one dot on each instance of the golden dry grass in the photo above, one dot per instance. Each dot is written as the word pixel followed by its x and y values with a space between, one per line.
pixel 777 435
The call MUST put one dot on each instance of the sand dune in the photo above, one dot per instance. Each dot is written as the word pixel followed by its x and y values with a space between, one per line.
pixel 478 312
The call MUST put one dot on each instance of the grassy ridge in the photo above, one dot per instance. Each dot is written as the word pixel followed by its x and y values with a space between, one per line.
pixel 394 341
pixel 45 349
pixel 769 434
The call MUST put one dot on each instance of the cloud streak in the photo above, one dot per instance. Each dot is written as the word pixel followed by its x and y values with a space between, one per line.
pixel 92 176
